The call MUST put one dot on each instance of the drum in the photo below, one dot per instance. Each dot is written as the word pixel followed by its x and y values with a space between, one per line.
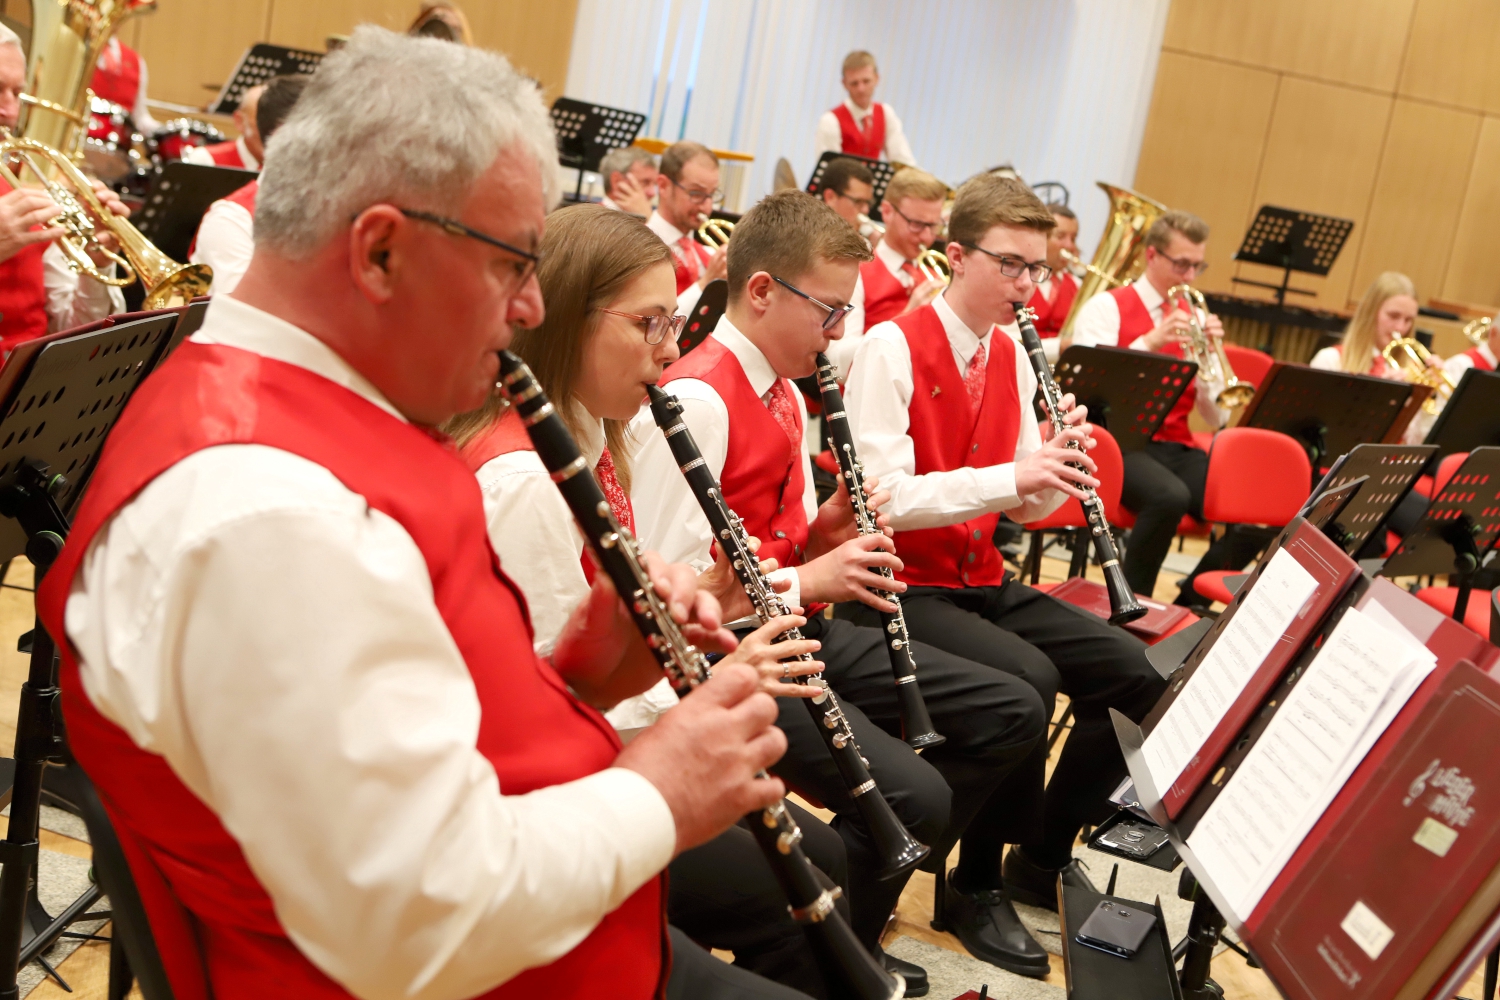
pixel 115 152
pixel 176 136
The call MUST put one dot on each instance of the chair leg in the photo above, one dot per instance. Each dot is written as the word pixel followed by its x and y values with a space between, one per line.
pixel 1034 557
pixel 1058 728
pixel 121 979
pixel 1080 564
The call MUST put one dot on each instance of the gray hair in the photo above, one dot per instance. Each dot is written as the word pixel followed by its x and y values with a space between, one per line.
pixel 9 37
pixel 620 160
pixel 392 118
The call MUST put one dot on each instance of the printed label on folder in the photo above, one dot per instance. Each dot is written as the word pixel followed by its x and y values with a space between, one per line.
pixel 1367 930
pixel 1434 836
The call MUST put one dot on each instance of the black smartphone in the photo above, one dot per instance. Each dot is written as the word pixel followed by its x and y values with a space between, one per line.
pixel 1116 928
pixel 1133 837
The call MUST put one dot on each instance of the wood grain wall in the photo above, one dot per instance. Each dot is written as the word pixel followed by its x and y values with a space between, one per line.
pixel 1386 112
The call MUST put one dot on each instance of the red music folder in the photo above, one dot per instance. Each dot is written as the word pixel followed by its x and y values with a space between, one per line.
pixel 1332 571
pixel 1159 620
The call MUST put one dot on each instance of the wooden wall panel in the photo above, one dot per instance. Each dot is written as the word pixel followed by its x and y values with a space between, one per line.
pixel 1474 270
pixel 187 62
pixel 1451 57
pixel 1419 192
pixel 1356 42
pixel 1202 147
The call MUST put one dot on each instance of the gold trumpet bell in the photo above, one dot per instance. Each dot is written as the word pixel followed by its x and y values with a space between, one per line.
pixel 935 266
pixel 168 284
pixel 1237 393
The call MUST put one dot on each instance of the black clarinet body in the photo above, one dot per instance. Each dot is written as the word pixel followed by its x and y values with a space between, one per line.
pixel 916 721
pixel 899 851
pixel 1122 603
pixel 614 549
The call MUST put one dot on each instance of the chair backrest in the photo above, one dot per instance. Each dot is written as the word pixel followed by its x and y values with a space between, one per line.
pixel 1445 470
pixel 1255 476
pixel 1111 476
pixel 1249 364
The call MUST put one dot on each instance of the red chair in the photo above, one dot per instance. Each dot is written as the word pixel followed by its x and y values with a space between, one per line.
pixel 1476 615
pixel 1254 477
pixel 1429 486
pixel 1070 516
pixel 1249 364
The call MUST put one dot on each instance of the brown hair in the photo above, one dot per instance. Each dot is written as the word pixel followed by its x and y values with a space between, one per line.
pixel 913 183
pixel 859 59
pixel 680 154
pixel 1358 353
pixel 990 200
pixel 1176 221
pixel 786 234
pixel 840 171
pixel 589 255
pixel 1062 210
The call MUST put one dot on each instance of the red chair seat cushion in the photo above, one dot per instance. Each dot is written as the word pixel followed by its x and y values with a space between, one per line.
pixel 1476 615
pixel 1210 584
pixel 825 461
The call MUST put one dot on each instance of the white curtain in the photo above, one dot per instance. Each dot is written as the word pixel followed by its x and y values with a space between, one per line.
pixel 1058 88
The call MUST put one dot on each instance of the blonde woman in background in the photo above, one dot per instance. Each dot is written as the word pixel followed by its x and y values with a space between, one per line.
pixel 1388 311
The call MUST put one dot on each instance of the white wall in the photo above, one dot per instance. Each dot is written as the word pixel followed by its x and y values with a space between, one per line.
pixel 1059 88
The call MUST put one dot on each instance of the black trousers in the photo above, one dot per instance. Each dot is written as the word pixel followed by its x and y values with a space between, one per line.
pixel 991 721
pixel 1053 647
pixel 724 895
pixel 697 975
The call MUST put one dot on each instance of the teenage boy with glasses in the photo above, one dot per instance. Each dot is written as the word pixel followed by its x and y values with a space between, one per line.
pixel 912 211
pixel 688 194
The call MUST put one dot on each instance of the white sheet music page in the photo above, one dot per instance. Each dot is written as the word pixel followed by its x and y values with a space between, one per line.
pixel 1349 695
pixel 1279 594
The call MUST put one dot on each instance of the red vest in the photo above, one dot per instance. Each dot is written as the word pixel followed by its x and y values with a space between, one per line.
pixel 213 921
pixel 885 295
pixel 227 154
pixel 23 296
pixel 689 262
pixel 946 434
pixel 1480 361
pixel 869 141
pixel 1050 315
pixel 118 80
pixel 1136 321
pixel 762 477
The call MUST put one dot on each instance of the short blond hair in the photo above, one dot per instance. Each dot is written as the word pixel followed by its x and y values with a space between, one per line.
pixel 990 200
pixel 1176 221
pixel 914 183
pixel 859 59
pixel 787 234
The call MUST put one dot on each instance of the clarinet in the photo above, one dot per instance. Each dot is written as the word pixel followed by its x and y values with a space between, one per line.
pixel 614 549
pixel 916 723
pixel 897 848
pixel 1122 603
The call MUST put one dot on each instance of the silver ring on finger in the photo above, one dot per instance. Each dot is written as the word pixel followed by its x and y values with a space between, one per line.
pixel 786 671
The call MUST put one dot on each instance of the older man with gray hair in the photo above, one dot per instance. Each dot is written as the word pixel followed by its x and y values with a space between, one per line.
pixel 294 669
pixel 630 180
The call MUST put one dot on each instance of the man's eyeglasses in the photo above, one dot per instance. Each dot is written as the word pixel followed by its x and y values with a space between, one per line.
pixel 835 313
pixel 525 267
pixel 656 326
pixel 1013 267
pixel 1189 268
pixel 916 226
pixel 717 197
pixel 863 204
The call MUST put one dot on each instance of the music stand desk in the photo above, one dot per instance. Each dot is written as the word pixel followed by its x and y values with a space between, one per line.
pixel 1472 417
pixel 1293 241
pixel 587 131
pixel 1128 393
pixel 1390 470
pixel 179 199
pixel 705 316
pixel 1094 975
pixel 260 62
pixel 1328 413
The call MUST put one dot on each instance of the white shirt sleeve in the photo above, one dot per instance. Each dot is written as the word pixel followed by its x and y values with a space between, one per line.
pixel 275 639
pixel 226 242
pixel 1328 359
pixel 141 113
pixel 1457 365
pixel 829 138
pixel 688 300
pixel 1098 322
pixel 74 299
pixel 841 351
pixel 199 155
pixel 897 149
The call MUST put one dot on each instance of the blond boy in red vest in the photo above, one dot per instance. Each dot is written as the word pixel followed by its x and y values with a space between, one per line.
pixel 860 124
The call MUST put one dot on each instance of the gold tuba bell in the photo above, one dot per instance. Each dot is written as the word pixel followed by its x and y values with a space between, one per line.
pixel 1121 249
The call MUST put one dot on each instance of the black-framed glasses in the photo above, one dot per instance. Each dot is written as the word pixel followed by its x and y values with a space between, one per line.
pixel 863 204
pixel 917 225
pixel 1190 268
pixel 717 197
pixel 835 313
pixel 1013 267
pixel 655 326
pixel 526 266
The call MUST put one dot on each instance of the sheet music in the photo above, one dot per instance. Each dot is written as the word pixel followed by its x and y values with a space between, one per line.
pixel 1350 694
pixel 1246 641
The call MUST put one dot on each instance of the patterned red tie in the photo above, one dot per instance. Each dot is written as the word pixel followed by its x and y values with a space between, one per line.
pixel 687 256
pixel 974 379
pixel 779 402
pixel 609 482
pixel 912 272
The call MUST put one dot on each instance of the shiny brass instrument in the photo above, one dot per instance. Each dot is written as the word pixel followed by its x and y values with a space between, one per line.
pixel 1208 352
pixel 715 233
pixel 934 265
pixel 868 226
pixel 1478 330
pixel 1076 267
pixel 1121 252
pixel 1408 356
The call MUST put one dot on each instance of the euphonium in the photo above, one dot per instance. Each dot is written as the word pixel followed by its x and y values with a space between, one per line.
pixel 1478 330
pixel 715 233
pixel 1408 356
pixel 1208 352
pixel 935 266
pixel 1121 248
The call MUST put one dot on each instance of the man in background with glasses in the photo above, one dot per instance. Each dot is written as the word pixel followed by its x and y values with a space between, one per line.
pixel 688 193
pixel 848 188
pixel 1166 480
pixel 912 211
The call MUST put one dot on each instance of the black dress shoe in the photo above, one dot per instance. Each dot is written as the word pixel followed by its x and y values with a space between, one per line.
pixel 915 975
pixel 1034 885
pixel 989 928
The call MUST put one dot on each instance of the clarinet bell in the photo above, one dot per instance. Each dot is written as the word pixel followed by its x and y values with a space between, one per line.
pixel 898 849
pixel 1124 608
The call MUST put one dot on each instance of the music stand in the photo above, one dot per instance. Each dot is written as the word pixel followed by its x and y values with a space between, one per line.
pixel 192 320
pixel 179 199
pixel 1388 471
pixel 1328 413
pixel 1293 241
pixel 711 305
pixel 882 170
pixel 1128 393
pixel 587 131
pixel 260 62
pixel 1472 417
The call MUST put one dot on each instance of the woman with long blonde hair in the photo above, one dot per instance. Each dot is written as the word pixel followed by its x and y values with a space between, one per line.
pixel 1387 311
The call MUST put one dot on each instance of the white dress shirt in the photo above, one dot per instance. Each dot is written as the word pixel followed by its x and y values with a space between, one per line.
pixel 226 242
pixel 830 137
pixel 535 534
pixel 667 516
pixel 1461 362
pixel 877 397
pixel 275 639
pixel 671 236
pixel 841 352
pixel 74 299
pixel 201 156
pixel 1098 325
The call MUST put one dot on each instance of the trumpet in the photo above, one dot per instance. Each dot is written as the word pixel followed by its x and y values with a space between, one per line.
pixel 1407 355
pixel 868 226
pixel 934 266
pixel 1077 268
pixel 1478 330
pixel 715 233
pixel 1213 363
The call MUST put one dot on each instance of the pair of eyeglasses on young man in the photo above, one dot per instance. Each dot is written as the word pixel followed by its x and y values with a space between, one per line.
pixel 835 313
pixel 717 197
pixel 525 267
pixel 1013 267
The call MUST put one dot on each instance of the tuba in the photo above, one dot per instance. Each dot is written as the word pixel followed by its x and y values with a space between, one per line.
pixel 1121 248
pixel 1410 358
pixel 1208 353
pixel 67 38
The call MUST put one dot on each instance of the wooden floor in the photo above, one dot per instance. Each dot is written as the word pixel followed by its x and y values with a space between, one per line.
pixel 87 969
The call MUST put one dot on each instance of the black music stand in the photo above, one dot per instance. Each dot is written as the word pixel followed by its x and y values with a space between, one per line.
pixel 1328 413
pixel 179 199
pixel 260 62
pixel 1128 393
pixel 1293 241
pixel 1388 471
pixel 1460 527
pixel 1472 417
pixel 192 320
pixel 883 171
pixel 711 306
pixel 587 131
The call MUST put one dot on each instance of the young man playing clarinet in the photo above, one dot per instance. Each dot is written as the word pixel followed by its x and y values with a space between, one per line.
pixel 792 268
pixel 940 405
pixel 1055 293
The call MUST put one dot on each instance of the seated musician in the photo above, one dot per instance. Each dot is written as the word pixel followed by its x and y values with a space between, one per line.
pixel 246 150
pixel 862 125
pixel 226 236
pixel 940 404
pixel 39 293
pixel 792 268
pixel 1481 356
pixel 848 188
pixel 912 210
pixel 1054 294
pixel 630 180
pixel 687 194
pixel 607 284
pixel 294 668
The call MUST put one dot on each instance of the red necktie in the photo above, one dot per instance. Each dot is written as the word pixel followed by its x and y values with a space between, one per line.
pixel 779 402
pixel 687 253
pixel 911 271
pixel 974 379
pixel 619 503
